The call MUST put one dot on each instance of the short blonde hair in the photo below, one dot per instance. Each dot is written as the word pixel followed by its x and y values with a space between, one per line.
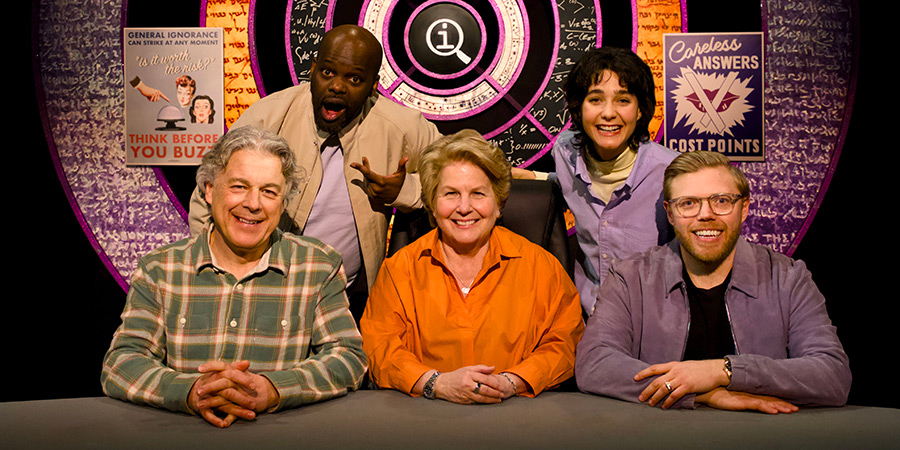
pixel 468 146
pixel 691 162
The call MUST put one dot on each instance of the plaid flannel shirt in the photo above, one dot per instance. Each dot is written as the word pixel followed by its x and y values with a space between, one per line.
pixel 289 318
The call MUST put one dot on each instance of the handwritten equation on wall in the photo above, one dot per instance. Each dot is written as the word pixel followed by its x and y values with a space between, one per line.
pixel 521 108
pixel 807 70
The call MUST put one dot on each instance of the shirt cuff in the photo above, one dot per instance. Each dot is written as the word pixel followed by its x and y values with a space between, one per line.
pixel 535 381
pixel 410 196
pixel 176 394
pixel 407 380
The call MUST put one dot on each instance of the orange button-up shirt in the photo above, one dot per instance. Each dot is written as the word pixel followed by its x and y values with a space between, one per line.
pixel 522 315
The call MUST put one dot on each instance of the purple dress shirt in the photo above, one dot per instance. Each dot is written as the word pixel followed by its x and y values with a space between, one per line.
pixel 328 219
pixel 633 220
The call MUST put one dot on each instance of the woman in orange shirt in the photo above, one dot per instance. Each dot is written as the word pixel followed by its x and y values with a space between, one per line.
pixel 471 312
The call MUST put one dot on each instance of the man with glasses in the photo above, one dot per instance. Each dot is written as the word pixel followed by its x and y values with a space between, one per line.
pixel 710 318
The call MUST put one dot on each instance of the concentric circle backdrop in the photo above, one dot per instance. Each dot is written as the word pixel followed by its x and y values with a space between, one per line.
pixel 506 83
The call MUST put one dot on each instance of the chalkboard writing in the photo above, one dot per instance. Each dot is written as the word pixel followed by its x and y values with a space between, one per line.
pixel 808 65
pixel 577 34
pixel 308 20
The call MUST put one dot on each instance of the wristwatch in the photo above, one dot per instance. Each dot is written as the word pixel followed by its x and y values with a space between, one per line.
pixel 428 390
pixel 727 368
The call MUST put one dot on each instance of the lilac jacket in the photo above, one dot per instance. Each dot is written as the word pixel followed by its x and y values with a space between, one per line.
pixel 633 221
pixel 786 346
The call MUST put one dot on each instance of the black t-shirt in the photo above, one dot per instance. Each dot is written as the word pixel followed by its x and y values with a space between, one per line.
pixel 709 335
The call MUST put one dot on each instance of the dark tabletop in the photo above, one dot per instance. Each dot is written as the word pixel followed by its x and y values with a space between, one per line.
pixel 388 419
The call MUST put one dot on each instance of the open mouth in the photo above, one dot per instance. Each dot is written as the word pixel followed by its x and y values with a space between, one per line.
pixel 465 223
pixel 332 109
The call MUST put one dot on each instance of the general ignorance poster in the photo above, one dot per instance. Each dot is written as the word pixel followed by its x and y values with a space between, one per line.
pixel 714 93
pixel 173 94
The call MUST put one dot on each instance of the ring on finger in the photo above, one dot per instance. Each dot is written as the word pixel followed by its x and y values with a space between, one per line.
pixel 477 387
pixel 669 386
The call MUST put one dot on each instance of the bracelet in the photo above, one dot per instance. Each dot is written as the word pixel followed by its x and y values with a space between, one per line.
pixel 513 383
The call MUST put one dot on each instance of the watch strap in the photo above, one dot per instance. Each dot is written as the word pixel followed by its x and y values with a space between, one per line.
pixel 428 390
pixel 727 368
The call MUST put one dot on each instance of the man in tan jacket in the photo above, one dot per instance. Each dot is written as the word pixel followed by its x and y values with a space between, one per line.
pixel 345 136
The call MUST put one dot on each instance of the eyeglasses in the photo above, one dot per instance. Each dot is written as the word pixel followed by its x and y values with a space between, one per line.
pixel 720 204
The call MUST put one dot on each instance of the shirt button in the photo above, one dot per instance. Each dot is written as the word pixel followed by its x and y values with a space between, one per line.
pixel 239 287
pixel 283 323
pixel 604 256
pixel 233 323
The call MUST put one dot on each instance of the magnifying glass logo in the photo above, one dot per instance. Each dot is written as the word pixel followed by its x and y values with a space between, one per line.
pixel 444 48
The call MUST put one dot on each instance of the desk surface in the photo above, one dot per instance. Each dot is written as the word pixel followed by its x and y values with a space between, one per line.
pixel 377 419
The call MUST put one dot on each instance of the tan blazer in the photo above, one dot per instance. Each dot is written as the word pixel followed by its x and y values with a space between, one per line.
pixel 383 132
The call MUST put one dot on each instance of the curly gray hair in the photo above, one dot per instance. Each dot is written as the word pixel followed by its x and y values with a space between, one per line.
pixel 250 138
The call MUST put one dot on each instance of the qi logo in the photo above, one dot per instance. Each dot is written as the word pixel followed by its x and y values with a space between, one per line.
pixel 439 31
pixel 445 40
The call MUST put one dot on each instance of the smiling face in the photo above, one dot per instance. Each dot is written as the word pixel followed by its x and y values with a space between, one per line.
pixel 343 76
pixel 708 239
pixel 246 201
pixel 202 108
pixel 609 115
pixel 465 207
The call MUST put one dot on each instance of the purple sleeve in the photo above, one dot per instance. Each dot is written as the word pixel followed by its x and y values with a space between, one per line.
pixel 605 361
pixel 816 371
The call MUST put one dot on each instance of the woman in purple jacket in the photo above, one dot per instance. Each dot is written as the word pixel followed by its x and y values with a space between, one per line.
pixel 609 170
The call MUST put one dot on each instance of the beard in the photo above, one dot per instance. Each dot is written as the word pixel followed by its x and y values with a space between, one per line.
pixel 330 127
pixel 709 256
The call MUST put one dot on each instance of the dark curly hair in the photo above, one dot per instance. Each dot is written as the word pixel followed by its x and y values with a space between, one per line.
pixel 634 74
pixel 212 108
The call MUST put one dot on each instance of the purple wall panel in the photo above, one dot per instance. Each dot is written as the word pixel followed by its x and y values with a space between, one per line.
pixel 126 212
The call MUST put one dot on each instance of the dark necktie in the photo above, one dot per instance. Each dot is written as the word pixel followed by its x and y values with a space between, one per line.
pixel 332 141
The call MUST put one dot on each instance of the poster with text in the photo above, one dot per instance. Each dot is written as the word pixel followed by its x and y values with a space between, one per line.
pixel 173 94
pixel 714 93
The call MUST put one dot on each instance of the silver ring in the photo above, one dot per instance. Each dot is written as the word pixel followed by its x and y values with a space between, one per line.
pixel 477 387
pixel 669 386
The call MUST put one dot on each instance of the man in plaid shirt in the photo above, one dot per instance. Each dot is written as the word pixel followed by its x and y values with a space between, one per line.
pixel 241 319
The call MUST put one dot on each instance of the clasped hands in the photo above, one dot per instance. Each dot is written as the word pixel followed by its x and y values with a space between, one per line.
pixel 460 385
pixel 707 379
pixel 226 392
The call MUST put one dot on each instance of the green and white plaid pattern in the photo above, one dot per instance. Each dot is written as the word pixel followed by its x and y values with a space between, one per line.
pixel 289 318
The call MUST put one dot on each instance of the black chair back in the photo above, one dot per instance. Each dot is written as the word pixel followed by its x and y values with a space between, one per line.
pixel 535 209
